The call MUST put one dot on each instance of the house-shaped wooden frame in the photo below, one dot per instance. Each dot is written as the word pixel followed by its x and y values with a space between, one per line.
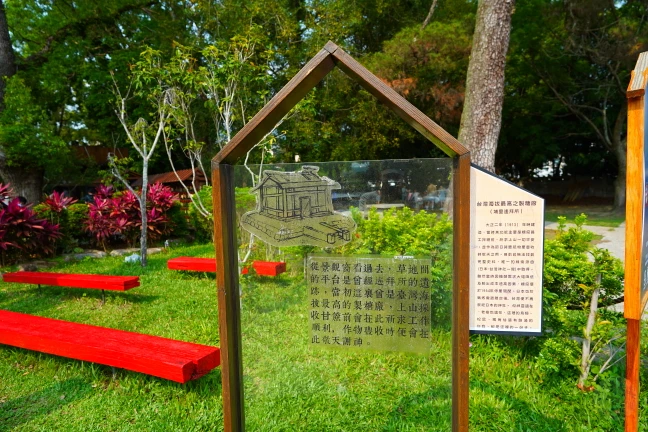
pixel 225 230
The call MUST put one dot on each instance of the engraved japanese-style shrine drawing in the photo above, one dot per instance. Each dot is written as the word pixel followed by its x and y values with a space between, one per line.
pixel 296 208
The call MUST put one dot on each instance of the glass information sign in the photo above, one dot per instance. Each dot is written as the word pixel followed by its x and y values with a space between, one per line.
pixel 507 232
pixel 369 303
pixel 367 248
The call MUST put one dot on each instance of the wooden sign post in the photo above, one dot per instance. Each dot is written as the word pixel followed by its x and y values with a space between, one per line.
pixel 636 244
pixel 264 121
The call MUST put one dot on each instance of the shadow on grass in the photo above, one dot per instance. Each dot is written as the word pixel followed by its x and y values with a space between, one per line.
pixel 430 410
pixel 208 385
pixel 15 412
pixel 264 294
pixel 34 299
pixel 189 274
pixel 526 416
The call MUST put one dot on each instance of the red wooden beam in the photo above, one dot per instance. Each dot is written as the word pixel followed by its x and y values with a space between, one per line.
pixel 192 264
pixel 269 268
pixel 103 282
pixel 161 357
pixel 263 268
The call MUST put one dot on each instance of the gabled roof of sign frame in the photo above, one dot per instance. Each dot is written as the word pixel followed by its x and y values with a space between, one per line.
pixel 308 77
pixel 638 77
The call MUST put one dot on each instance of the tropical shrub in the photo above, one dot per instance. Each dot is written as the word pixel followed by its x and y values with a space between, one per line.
pixel 55 209
pixel 58 202
pixel 400 232
pixel 160 199
pixel 203 226
pixel 577 273
pixel 116 216
pixel 405 232
pixel 572 266
pixel 23 234
pixel 99 223
pixel 77 214
pixel 178 222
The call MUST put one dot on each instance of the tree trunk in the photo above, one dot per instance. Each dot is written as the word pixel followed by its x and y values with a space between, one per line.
pixel 26 182
pixel 7 58
pixel 144 232
pixel 481 118
pixel 620 182
pixel 428 18
pixel 620 150
pixel 586 356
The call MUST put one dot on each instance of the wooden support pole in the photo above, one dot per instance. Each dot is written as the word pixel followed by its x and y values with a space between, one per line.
pixel 461 293
pixel 634 208
pixel 635 221
pixel 633 246
pixel 229 307
pixel 632 376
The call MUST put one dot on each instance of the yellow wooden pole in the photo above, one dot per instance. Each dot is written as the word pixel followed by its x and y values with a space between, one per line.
pixel 635 209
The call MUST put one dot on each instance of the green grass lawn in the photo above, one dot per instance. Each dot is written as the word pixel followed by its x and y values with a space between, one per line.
pixel 596 215
pixel 289 385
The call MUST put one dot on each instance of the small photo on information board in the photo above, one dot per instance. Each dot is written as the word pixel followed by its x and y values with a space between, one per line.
pixel 506 257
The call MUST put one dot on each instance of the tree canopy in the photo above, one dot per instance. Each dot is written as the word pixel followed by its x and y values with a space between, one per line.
pixel 566 72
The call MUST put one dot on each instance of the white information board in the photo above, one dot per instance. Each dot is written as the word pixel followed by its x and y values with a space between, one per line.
pixel 506 256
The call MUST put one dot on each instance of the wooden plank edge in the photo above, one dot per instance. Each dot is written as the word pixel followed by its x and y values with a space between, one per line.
pixel 638 77
pixel 180 372
pixel 461 294
pixel 634 209
pixel 401 106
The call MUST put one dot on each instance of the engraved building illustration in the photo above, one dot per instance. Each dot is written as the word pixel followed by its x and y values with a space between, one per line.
pixel 296 208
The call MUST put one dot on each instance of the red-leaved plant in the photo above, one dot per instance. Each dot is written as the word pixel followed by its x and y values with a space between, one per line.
pixel 57 202
pixel 160 197
pixel 23 234
pixel 117 215
pixel 104 191
pixel 5 190
pixel 99 222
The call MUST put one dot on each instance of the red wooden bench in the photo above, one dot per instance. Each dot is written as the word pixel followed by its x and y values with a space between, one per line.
pixel 269 268
pixel 264 268
pixel 192 264
pixel 102 282
pixel 161 357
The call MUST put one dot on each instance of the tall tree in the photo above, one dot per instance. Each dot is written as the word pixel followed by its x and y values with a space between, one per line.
pixel 426 65
pixel 144 135
pixel 61 52
pixel 481 118
pixel 7 58
pixel 570 64
pixel 602 40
